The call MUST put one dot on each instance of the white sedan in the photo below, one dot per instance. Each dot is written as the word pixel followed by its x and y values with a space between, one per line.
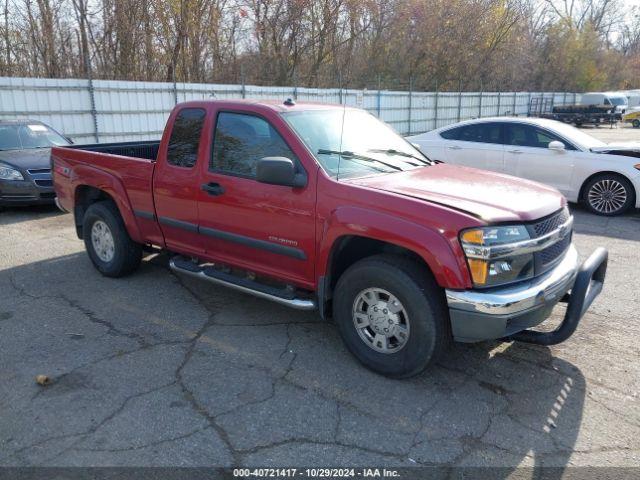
pixel 606 178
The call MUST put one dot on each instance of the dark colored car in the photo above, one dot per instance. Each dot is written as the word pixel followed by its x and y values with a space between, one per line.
pixel 25 171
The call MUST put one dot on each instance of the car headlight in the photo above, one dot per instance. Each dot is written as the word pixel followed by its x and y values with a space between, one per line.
pixel 493 257
pixel 8 173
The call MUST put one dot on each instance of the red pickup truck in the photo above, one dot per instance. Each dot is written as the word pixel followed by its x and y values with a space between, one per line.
pixel 322 206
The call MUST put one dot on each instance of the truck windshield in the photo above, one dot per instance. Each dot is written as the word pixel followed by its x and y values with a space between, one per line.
pixel 353 143
pixel 18 136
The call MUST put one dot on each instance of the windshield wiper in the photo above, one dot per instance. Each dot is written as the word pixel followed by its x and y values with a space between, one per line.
pixel 356 156
pixel 392 151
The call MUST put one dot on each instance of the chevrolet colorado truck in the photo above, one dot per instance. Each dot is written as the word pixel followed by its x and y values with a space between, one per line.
pixel 325 207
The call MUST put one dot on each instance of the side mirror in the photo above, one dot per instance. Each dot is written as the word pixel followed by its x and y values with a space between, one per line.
pixel 556 145
pixel 279 171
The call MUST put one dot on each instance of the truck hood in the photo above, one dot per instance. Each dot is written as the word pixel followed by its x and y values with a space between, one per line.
pixel 493 197
pixel 31 158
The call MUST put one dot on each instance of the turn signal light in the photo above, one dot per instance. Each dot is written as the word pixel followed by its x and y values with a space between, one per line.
pixel 475 237
pixel 479 270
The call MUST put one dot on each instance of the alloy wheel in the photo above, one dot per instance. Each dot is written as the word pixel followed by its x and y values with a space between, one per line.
pixel 381 320
pixel 607 196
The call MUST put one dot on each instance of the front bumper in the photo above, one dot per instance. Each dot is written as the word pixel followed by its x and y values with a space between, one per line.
pixel 24 192
pixel 509 311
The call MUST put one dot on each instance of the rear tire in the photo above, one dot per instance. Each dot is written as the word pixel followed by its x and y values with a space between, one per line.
pixel 416 321
pixel 636 123
pixel 107 241
pixel 608 194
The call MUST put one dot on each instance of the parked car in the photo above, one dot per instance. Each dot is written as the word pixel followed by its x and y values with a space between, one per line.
pixel 632 117
pixel 316 206
pixel 604 177
pixel 25 172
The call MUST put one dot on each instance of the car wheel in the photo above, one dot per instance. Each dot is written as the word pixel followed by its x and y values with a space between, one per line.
pixel 391 315
pixel 107 241
pixel 609 194
pixel 636 123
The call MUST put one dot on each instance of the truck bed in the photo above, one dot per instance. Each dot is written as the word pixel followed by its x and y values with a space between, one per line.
pixel 144 149
pixel 124 170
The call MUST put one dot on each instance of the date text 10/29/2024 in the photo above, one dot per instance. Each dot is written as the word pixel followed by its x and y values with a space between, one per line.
pixel 315 472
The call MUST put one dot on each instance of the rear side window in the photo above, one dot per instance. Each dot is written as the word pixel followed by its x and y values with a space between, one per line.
pixel 521 135
pixel 185 137
pixel 481 133
pixel 451 134
pixel 241 140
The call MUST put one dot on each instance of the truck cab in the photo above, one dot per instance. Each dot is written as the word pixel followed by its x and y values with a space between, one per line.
pixel 325 207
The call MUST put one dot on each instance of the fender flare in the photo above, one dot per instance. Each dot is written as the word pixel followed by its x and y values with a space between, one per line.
pixel 85 175
pixel 436 250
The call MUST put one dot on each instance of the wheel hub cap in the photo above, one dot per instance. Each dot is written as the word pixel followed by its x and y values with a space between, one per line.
pixel 102 241
pixel 607 196
pixel 381 320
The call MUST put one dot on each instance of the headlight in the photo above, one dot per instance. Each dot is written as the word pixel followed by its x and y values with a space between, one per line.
pixel 8 173
pixel 492 255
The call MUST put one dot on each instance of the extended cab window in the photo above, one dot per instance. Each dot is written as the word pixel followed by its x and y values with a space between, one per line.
pixel 241 140
pixel 185 137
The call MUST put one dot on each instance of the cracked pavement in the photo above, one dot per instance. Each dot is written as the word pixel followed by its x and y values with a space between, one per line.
pixel 162 370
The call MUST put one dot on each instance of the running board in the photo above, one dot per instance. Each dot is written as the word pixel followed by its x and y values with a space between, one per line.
pixel 246 285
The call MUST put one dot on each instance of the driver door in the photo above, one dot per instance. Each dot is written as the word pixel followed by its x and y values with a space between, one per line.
pixel 268 229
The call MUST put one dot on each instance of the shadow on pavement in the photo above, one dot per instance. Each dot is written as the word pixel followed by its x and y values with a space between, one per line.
pixel 11 215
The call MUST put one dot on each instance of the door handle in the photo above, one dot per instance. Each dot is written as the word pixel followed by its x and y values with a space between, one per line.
pixel 454 147
pixel 514 151
pixel 213 188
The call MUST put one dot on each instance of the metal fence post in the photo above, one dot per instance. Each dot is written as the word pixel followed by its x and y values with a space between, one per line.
pixel 379 98
pixel 94 112
pixel 244 87
pixel 515 96
pixel 499 97
pixel 459 99
pixel 480 103
pixel 295 85
pixel 435 109
pixel 410 101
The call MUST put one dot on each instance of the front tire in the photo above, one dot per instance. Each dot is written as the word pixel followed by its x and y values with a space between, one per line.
pixel 391 315
pixel 609 194
pixel 636 123
pixel 107 241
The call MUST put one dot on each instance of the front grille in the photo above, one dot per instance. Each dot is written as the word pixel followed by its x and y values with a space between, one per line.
pixel 550 254
pixel 546 259
pixel 41 176
pixel 549 224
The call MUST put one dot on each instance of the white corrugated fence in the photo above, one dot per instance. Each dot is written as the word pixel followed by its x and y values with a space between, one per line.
pixel 112 111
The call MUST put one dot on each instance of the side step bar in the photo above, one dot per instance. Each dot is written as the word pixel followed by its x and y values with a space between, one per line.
pixel 210 274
